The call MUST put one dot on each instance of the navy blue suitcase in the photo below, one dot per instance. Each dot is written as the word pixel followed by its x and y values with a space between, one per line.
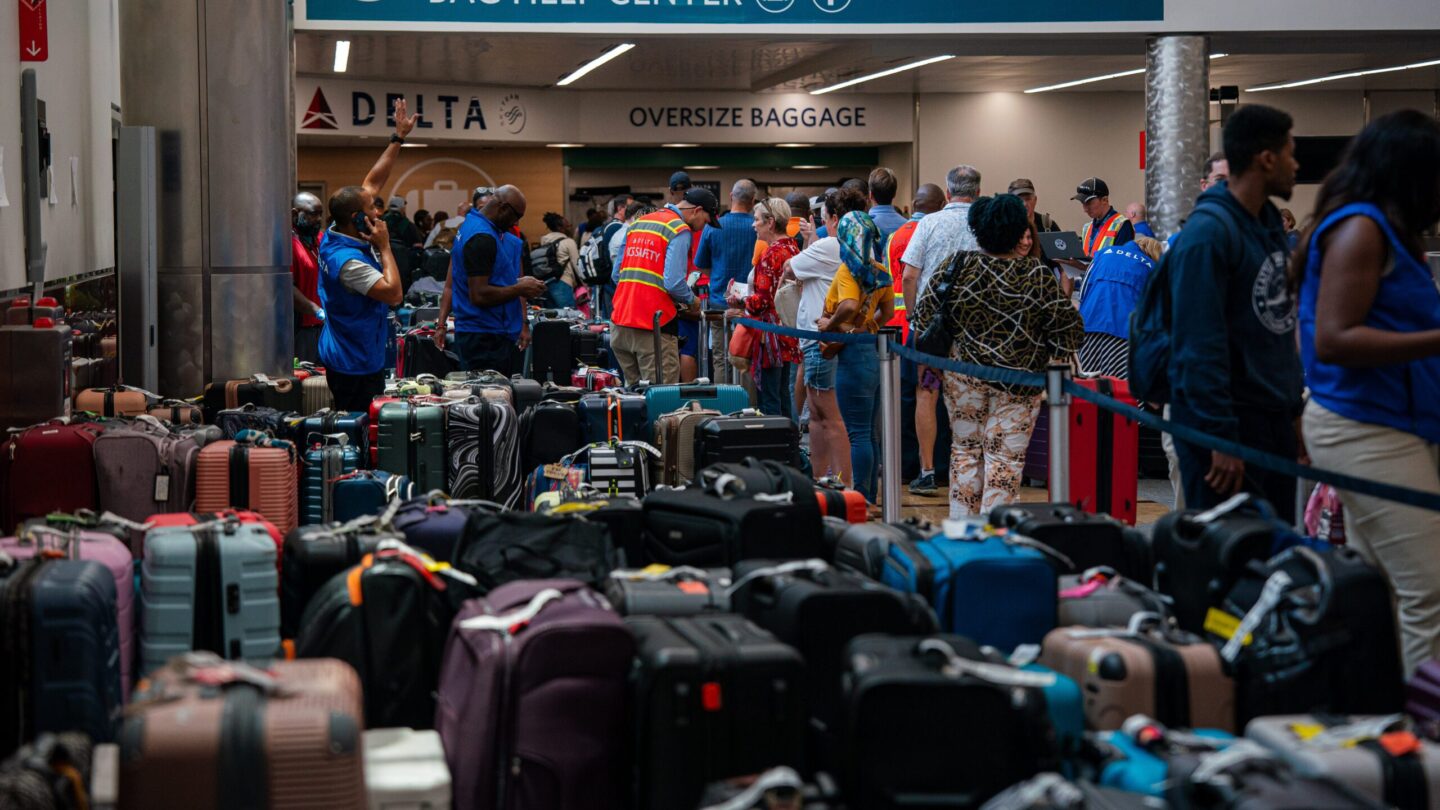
pixel 366 492
pixel 611 414
pixel 57 616
pixel 355 424
pixel 434 524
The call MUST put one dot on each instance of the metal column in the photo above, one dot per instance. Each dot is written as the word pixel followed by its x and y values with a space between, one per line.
pixel 1059 402
pixel 213 77
pixel 889 425
pixel 1177 127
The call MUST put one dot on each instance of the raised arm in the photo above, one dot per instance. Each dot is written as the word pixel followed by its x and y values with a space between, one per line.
pixel 380 172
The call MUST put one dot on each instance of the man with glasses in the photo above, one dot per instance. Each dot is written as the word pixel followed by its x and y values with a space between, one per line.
pixel 651 286
pixel 486 288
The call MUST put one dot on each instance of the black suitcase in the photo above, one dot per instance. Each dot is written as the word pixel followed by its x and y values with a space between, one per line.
pixel 585 345
pixel 614 415
pixel 1089 540
pixel 738 436
pixel 819 610
pixel 552 358
pixel 422 356
pixel 1199 555
pixel 549 432
pixel 682 591
pixel 525 392
pixel 863 547
pixel 694 527
pixel 311 556
pixel 715 697
pixel 558 392
pixel 926 728
pixel 1326 646
pixel 59 650
pixel 624 518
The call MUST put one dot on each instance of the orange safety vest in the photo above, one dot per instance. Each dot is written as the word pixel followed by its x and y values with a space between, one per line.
pixel 640 284
pixel 894 249
pixel 1104 236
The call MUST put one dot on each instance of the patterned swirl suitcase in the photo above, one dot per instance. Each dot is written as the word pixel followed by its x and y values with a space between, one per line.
pixel 483 445
pixel 243 476
pixel 210 734
pixel 59 616
pixel 412 443
pixel 212 587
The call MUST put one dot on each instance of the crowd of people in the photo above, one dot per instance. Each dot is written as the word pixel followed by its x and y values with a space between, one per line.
pixel 1245 310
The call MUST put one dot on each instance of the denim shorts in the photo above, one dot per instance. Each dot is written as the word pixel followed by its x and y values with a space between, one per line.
pixel 690 337
pixel 819 372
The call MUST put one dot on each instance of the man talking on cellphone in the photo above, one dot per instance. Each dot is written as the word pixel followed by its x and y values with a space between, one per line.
pixel 359 281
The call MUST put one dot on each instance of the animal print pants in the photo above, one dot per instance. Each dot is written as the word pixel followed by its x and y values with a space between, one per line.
pixel 990 430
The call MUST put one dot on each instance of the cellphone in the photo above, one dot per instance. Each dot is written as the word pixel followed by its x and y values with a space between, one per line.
pixel 362 224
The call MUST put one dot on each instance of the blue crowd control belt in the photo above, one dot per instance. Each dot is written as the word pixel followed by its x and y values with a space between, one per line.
pixel 1189 435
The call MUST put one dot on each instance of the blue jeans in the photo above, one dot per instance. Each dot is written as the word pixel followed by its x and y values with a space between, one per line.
pixel 857 388
pixel 561 295
pixel 773 391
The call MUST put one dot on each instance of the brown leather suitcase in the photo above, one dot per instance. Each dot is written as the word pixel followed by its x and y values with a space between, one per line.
pixel 113 402
pixel 1170 675
pixel 267 485
pixel 203 732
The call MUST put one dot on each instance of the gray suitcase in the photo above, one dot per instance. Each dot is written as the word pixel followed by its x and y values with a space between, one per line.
pixel 1103 599
pixel 213 586
pixel 412 443
pixel 1350 750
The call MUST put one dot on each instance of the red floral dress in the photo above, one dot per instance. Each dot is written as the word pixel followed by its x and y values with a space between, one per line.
pixel 769 349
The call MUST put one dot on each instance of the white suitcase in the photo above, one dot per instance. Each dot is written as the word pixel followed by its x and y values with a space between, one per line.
pixel 405 770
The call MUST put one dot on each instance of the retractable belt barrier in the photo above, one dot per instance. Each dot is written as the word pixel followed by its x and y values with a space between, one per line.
pixel 1009 376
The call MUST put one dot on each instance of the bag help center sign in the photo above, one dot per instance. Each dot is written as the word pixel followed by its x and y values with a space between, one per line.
pixel 528 116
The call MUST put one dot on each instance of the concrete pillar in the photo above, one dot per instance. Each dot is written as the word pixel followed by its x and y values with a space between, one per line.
pixel 214 79
pixel 1177 127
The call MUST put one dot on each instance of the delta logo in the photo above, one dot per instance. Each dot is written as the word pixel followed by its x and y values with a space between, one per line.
pixel 319 115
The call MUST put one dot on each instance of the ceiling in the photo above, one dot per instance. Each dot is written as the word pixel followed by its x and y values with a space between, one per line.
pixel 982 64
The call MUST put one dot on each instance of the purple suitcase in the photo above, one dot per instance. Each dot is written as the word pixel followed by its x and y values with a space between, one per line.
pixel 1422 699
pixel 433 523
pixel 532 699
pixel 102 548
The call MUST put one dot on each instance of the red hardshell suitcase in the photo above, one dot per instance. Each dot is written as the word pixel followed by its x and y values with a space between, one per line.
pixel 375 405
pixel 1104 453
pixel 47 468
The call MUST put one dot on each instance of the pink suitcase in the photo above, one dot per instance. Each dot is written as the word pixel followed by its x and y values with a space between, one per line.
pixel 99 547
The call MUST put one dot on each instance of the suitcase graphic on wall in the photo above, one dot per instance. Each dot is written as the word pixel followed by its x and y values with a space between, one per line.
pixel 445 195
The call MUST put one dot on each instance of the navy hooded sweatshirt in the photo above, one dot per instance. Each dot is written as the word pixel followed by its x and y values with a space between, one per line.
pixel 1233 349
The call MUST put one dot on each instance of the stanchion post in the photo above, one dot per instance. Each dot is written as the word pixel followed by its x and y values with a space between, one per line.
pixel 889 425
pixel 729 368
pixel 1059 402
pixel 702 352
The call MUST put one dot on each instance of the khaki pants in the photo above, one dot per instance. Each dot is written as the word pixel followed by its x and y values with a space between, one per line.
pixel 634 350
pixel 1402 541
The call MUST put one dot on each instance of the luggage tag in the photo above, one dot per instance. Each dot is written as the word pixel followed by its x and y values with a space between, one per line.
pixel 1270 597
pixel 162 487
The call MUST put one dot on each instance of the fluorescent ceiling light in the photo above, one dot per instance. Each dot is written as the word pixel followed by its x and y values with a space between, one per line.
pixel 882 74
pixel 342 55
pixel 1338 76
pixel 806 166
pixel 413 145
pixel 699 168
pixel 794 145
pixel 1107 77
pixel 564 145
pixel 595 63
pixel 679 145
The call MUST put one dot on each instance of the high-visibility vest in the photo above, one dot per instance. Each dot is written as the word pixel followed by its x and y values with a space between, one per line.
pixel 894 249
pixel 640 283
pixel 1095 239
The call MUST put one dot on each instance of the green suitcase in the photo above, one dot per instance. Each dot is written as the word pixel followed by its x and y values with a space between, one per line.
pixel 412 443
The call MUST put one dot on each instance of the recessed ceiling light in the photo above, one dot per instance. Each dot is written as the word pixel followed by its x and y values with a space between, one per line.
pixel 679 145
pixel 806 166
pixel 699 168
pixel 882 74
pixel 564 145
pixel 595 63
pixel 342 55
pixel 1338 76
pixel 794 145
pixel 1105 78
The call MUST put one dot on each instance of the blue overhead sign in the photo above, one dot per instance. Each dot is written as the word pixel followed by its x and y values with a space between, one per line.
pixel 469 14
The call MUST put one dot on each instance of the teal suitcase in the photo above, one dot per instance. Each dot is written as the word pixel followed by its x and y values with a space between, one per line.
pixel 412 443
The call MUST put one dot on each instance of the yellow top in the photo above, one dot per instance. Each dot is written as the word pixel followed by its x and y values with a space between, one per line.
pixel 846 287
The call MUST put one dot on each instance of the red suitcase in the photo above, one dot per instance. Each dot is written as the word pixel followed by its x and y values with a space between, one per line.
pixel 375 428
pixel 47 468
pixel 1104 453
pixel 242 476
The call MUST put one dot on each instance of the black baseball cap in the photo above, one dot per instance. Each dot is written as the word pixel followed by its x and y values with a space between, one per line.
pixel 679 180
pixel 1090 189
pixel 702 198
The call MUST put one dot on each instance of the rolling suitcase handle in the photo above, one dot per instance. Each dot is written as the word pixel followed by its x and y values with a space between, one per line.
pixel 954 666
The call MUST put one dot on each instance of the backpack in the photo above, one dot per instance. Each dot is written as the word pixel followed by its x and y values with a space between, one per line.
pixel 1149 347
pixel 545 261
pixel 595 265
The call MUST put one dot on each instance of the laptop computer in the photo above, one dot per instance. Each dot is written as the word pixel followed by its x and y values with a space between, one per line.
pixel 1061 245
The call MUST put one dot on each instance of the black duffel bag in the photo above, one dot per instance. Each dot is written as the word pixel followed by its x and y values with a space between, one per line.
pixel 508 546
